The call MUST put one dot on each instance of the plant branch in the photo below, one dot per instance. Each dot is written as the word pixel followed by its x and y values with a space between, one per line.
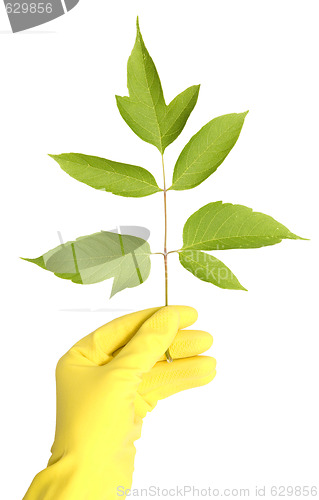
pixel 165 233
pixel 168 356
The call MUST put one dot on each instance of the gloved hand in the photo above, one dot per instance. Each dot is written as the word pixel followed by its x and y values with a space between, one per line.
pixel 106 383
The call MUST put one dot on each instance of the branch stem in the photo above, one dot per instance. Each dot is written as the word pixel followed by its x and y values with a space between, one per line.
pixel 168 356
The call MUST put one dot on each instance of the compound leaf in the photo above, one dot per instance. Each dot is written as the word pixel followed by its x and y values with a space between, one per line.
pixel 145 110
pixel 207 150
pixel 100 256
pixel 117 178
pixel 207 268
pixel 222 226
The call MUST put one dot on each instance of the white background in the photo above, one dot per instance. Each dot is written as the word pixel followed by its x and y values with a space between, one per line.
pixel 257 423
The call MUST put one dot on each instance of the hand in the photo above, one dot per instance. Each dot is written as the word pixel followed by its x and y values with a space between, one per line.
pixel 106 383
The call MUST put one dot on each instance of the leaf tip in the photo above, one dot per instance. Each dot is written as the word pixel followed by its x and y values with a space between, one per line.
pixel 296 237
pixel 38 261
pixel 113 291
pixel 139 42
pixel 197 87
pixel 138 29
pixel 54 157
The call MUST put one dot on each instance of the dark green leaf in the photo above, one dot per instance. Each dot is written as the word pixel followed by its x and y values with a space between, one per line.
pixel 100 256
pixel 207 268
pixel 145 110
pixel 111 176
pixel 222 226
pixel 206 151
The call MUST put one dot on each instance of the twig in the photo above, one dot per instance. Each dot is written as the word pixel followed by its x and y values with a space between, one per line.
pixel 168 355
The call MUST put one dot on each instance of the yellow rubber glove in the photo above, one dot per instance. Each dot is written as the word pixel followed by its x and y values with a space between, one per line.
pixel 106 383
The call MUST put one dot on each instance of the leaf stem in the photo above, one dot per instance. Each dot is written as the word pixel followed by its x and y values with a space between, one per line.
pixel 165 232
pixel 168 355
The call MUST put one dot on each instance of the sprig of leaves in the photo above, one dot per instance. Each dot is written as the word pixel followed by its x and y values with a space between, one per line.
pixel 216 226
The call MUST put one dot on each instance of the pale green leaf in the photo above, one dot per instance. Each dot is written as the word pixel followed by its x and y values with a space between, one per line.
pixel 117 178
pixel 207 268
pixel 100 256
pixel 206 150
pixel 222 226
pixel 145 110
pixel 177 114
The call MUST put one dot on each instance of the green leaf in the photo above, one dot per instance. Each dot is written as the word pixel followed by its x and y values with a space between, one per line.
pixel 207 150
pixel 177 114
pixel 223 226
pixel 145 110
pixel 100 256
pixel 111 176
pixel 207 268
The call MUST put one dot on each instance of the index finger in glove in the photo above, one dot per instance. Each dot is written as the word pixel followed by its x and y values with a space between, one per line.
pixel 153 338
pixel 100 345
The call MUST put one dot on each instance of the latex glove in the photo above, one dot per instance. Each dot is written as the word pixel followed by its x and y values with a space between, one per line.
pixel 103 393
